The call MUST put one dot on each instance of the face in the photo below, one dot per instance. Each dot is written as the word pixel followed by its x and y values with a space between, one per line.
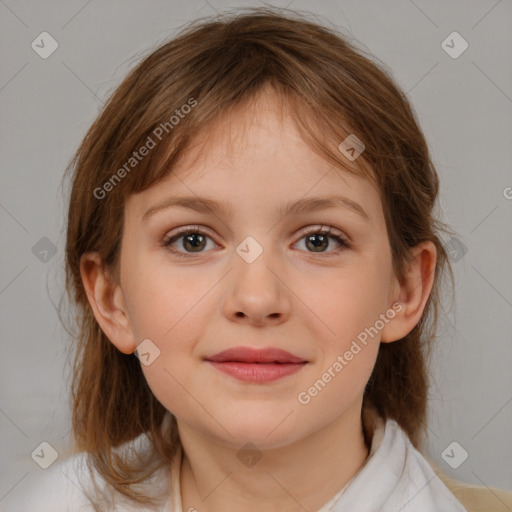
pixel 250 275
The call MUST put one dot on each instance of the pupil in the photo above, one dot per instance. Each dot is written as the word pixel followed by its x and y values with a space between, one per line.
pixel 321 239
pixel 195 244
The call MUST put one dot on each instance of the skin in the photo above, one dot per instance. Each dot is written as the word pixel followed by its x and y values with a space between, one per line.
pixel 312 304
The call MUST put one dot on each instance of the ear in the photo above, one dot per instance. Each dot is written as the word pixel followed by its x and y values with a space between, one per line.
pixel 410 296
pixel 107 302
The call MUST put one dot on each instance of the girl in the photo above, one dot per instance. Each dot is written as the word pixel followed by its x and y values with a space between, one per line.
pixel 252 249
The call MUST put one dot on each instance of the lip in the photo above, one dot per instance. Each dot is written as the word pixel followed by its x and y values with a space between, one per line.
pixel 256 365
pixel 253 355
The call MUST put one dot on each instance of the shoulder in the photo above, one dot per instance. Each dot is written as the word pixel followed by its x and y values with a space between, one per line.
pixel 68 486
pixel 60 488
pixel 476 498
pixel 419 488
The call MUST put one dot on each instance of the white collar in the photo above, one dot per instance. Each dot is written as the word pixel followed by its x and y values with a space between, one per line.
pixel 395 477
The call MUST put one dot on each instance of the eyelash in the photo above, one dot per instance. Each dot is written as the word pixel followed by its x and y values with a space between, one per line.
pixel 186 230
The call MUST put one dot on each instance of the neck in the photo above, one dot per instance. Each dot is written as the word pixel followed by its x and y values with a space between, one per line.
pixel 300 476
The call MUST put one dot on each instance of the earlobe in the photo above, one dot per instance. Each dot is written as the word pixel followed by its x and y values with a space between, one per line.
pixel 413 292
pixel 106 300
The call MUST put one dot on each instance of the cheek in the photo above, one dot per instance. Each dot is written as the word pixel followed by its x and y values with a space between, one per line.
pixel 348 301
pixel 165 301
pixel 175 323
pixel 347 341
pixel 338 387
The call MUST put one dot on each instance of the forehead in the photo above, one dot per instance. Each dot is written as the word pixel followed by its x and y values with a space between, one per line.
pixel 262 123
pixel 255 151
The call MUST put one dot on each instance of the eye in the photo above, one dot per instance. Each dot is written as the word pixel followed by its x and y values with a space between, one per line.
pixel 317 240
pixel 192 241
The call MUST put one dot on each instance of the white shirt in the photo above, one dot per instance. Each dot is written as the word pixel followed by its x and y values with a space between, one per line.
pixel 394 478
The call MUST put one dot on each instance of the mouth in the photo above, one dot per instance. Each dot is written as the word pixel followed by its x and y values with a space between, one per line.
pixel 251 355
pixel 257 365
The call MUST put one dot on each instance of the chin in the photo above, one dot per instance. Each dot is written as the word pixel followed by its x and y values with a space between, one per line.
pixel 265 433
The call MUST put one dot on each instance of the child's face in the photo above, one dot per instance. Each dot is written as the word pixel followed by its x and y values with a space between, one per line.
pixel 311 304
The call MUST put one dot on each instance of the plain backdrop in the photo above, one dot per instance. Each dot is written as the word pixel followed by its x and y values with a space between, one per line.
pixel 464 105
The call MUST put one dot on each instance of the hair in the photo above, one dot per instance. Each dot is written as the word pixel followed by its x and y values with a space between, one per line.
pixel 212 66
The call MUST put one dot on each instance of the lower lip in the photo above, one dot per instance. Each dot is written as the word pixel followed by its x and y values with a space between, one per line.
pixel 258 372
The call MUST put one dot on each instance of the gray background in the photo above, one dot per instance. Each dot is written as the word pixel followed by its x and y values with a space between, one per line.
pixel 464 106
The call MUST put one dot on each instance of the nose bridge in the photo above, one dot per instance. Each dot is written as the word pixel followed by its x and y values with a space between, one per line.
pixel 253 262
pixel 256 290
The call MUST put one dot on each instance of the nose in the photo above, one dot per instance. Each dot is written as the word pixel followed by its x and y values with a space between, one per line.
pixel 257 293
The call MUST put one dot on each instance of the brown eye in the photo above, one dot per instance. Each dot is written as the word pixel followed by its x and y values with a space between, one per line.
pixel 318 240
pixel 187 241
pixel 194 242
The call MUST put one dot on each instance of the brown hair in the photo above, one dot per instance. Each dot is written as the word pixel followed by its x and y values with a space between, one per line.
pixel 332 90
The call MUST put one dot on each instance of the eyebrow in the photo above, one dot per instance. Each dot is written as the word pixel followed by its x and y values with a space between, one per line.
pixel 221 208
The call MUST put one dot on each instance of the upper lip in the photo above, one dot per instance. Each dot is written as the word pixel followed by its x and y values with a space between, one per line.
pixel 254 355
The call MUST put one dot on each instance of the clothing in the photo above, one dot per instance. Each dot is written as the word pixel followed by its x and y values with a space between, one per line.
pixel 395 477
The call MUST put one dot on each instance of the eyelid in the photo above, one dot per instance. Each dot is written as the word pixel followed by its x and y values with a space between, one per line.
pixel 184 230
pixel 331 232
pixel 324 229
